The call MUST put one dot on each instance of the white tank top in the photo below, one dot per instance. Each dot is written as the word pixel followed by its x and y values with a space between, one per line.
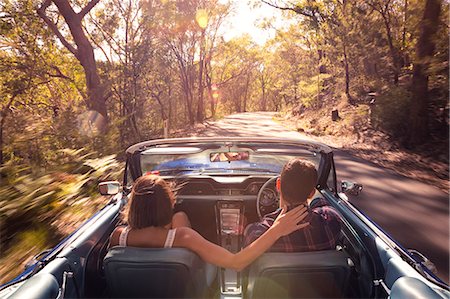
pixel 167 244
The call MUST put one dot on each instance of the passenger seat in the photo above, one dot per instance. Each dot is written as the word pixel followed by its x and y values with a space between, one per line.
pixel 156 273
pixel 318 274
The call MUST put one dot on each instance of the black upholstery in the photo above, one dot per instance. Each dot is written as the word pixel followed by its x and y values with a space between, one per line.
pixel 319 274
pixel 155 273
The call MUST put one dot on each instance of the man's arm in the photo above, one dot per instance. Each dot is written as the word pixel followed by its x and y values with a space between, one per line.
pixel 324 229
pixel 252 232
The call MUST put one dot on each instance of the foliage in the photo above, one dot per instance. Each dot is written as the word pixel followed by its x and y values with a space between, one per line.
pixel 391 110
pixel 38 207
pixel 367 48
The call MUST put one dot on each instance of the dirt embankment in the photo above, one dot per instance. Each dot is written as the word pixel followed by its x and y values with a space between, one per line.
pixel 352 133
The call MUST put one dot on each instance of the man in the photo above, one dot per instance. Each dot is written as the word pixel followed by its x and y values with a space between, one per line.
pixel 296 185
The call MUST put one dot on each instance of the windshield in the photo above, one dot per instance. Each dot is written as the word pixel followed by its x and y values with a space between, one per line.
pixel 196 159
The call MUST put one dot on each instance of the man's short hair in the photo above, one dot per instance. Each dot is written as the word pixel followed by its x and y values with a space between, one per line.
pixel 298 179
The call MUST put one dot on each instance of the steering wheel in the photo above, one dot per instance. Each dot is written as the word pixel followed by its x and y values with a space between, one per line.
pixel 268 199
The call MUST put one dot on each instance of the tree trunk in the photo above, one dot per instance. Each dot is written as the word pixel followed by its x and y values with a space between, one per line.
pixel 208 81
pixel 185 80
pixel 200 105
pixel 392 50
pixel 84 51
pixel 405 22
pixel 1 144
pixel 246 93
pixel 200 109
pixel 263 102
pixel 169 99
pixel 418 117
pixel 263 105
pixel 347 74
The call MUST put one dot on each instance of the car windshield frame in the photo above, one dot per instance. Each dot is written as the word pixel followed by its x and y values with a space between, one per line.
pixel 259 145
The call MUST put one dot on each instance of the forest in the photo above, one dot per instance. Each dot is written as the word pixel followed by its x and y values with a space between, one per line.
pixel 81 80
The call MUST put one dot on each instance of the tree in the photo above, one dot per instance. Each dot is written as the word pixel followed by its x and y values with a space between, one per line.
pixel 235 64
pixel 384 9
pixel 83 50
pixel 331 24
pixel 35 81
pixel 418 117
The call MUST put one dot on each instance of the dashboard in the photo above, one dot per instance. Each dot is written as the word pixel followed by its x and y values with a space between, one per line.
pixel 199 197
pixel 221 185
pixel 229 187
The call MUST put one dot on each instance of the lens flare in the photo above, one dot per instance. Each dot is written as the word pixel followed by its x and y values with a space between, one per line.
pixel 90 123
pixel 215 92
pixel 201 17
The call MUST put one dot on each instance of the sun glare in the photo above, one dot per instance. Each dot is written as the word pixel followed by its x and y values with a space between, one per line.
pixel 247 19
pixel 201 17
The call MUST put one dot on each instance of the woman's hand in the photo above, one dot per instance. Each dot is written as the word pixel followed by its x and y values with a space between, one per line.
pixel 288 222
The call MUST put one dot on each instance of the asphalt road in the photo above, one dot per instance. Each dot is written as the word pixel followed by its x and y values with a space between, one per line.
pixel 413 213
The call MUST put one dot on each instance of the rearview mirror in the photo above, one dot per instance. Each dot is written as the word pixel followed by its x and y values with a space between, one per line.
pixel 228 156
pixel 351 188
pixel 109 188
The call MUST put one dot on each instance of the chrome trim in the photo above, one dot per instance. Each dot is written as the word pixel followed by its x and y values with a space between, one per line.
pixel 402 252
pixel 299 142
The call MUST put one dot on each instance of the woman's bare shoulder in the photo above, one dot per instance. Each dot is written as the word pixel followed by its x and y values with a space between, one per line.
pixel 114 238
pixel 185 236
pixel 180 219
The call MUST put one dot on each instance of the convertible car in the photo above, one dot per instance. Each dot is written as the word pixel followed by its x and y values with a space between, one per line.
pixel 223 184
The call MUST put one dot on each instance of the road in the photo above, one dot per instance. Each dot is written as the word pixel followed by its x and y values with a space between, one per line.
pixel 413 213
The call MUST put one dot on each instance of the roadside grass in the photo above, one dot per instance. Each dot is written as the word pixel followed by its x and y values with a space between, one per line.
pixel 26 245
pixel 34 239
pixel 39 208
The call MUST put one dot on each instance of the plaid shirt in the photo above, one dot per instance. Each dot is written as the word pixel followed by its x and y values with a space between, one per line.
pixel 322 233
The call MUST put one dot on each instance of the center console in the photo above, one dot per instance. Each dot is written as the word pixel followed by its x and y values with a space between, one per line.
pixel 229 219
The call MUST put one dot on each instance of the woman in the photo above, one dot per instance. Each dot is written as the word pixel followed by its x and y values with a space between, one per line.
pixel 151 223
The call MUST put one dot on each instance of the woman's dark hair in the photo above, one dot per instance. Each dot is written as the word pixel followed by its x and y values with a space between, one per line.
pixel 297 180
pixel 151 202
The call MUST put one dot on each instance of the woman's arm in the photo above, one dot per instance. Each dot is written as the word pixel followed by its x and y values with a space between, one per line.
pixel 285 224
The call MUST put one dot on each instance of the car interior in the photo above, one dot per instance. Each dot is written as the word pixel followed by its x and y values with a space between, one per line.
pixel 362 265
pixel 219 211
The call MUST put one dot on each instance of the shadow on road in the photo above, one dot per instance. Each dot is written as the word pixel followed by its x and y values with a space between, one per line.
pixel 413 213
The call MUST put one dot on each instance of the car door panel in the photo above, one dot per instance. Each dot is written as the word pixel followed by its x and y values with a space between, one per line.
pixel 40 286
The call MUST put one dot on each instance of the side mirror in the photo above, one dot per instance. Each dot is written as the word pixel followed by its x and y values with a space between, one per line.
pixel 36 258
pixel 424 260
pixel 351 188
pixel 109 188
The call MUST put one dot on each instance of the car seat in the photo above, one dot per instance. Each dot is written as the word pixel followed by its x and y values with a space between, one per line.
pixel 318 274
pixel 156 273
